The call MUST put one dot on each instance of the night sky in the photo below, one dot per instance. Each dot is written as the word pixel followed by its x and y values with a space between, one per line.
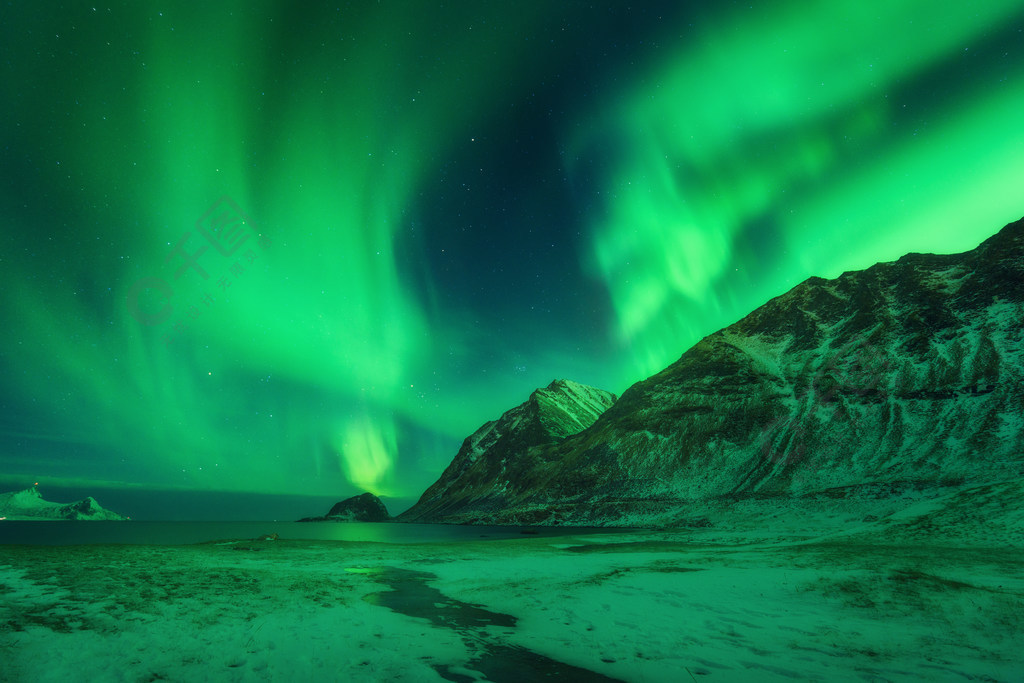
pixel 261 256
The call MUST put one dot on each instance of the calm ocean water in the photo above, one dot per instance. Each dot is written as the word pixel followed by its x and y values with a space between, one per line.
pixel 182 533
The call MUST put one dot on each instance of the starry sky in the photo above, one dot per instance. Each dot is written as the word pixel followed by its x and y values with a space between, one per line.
pixel 261 256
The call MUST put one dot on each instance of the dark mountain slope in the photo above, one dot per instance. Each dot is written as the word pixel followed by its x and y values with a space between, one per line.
pixel 504 455
pixel 898 379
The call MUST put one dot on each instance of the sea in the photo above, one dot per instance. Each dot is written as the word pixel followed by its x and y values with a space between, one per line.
pixel 184 533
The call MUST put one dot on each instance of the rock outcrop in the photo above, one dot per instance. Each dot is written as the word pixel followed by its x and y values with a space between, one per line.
pixel 363 508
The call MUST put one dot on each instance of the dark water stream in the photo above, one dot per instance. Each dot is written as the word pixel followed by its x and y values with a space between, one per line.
pixel 409 594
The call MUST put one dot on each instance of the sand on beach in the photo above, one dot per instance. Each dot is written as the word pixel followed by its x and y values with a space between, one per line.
pixel 649 606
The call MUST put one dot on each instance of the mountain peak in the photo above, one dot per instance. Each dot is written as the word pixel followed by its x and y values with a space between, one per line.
pixel 505 450
pixel 565 407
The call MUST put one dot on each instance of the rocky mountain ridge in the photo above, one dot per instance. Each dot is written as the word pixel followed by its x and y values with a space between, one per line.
pixel 899 379
pixel 506 450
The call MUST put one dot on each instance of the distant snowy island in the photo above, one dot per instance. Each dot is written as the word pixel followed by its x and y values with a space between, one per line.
pixel 29 505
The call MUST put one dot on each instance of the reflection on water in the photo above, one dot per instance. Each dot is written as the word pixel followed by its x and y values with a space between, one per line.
pixel 180 533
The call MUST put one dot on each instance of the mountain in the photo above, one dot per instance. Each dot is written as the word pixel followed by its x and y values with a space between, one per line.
pixel 363 508
pixel 893 383
pixel 509 452
pixel 29 505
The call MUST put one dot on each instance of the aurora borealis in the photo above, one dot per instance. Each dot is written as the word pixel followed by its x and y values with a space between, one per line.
pixel 446 207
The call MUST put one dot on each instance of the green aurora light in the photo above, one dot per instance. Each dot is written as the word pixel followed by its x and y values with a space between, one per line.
pixel 703 162
pixel 807 123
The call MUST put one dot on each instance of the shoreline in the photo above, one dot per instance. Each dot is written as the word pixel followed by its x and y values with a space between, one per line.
pixel 647 606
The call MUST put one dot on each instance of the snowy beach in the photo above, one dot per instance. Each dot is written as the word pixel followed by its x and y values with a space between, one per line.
pixel 647 606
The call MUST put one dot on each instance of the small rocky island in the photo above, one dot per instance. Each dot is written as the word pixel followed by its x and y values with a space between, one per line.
pixel 363 508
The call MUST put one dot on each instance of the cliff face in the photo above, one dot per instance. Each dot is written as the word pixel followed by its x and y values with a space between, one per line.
pixel 902 377
pixel 502 458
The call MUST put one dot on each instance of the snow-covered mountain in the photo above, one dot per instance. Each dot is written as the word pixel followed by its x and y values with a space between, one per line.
pixel 905 379
pixel 29 504
pixel 505 455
